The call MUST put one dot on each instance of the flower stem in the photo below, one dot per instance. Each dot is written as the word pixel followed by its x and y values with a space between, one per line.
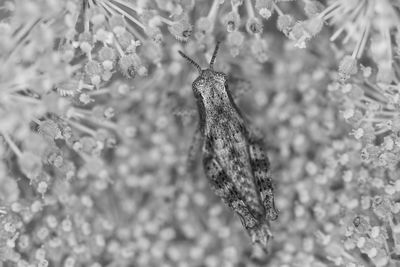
pixel 11 144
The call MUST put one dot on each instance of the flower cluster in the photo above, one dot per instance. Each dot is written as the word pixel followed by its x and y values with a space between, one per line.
pixel 96 118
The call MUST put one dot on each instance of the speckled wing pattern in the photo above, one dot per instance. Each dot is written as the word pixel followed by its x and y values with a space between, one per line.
pixel 229 148
pixel 226 190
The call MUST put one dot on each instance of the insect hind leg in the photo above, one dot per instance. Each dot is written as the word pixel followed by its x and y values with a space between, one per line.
pixel 260 166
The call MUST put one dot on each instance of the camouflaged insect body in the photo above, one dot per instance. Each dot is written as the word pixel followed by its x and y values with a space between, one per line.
pixel 234 159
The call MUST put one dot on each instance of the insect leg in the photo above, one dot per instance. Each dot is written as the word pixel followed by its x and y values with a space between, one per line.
pixel 260 166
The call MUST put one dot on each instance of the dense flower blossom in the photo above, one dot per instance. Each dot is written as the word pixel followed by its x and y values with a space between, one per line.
pixel 97 113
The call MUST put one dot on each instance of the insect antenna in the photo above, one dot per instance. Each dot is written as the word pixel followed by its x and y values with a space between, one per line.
pixel 214 55
pixel 190 60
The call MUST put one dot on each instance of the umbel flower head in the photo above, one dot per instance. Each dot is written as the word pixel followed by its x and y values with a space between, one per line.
pixel 96 117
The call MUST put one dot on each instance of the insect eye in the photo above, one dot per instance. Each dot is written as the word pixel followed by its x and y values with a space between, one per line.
pixel 220 75
pixel 200 82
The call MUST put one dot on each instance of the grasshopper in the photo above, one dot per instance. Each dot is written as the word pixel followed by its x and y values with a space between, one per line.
pixel 234 158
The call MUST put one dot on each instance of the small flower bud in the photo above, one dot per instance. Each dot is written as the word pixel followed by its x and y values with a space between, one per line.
pixel 24 243
pixel 204 25
pixel 181 29
pixel 107 75
pixel 356 93
pixel 30 164
pixel 235 38
pixel 235 41
pixel 108 65
pixel 51 221
pixel 107 53
pixel 260 50
pixel 42 233
pixel 85 42
pixel 66 225
pixel 88 144
pixel 300 35
pixel 285 23
pixel 103 36
pixel 142 71
pixel 69 262
pixel 43 263
pixel 97 19
pixel 254 26
pixel 347 67
pixel 313 8
pixel 265 13
pixel 155 34
pixel 264 8
pixel 348 113
pixel 231 21
pixel 314 25
pixel 40 254
pixel 68 170
pixel 109 113
pixel 42 187
pixel 10 227
pixel 381 207
pixel 380 258
pixel 93 68
pixel 54 157
pixel 85 98
pixel 358 133
pixel 129 64
pixel 85 47
pixel 116 23
pixel 125 39
pixel 49 130
pixel 152 51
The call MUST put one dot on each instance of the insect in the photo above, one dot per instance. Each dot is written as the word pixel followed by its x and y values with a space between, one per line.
pixel 234 159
